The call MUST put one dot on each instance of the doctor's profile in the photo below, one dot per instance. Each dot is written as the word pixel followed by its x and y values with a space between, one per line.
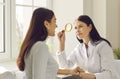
pixel 93 53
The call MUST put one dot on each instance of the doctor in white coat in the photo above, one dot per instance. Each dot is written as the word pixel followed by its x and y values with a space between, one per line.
pixel 93 54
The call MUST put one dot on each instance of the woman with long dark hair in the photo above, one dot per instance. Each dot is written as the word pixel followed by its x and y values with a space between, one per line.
pixel 34 57
pixel 93 54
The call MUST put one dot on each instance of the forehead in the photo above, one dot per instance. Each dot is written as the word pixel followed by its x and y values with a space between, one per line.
pixel 79 23
pixel 54 17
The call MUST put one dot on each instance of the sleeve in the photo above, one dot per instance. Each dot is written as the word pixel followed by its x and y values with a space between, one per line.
pixel 64 61
pixel 39 62
pixel 106 59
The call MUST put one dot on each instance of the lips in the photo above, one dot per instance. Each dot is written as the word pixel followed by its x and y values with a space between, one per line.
pixel 78 34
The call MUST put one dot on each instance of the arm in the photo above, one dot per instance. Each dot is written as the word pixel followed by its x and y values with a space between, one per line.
pixel 61 38
pixel 106 58
pixel 64 62
pixel 75 71
pixel 84 75
pixel 64 72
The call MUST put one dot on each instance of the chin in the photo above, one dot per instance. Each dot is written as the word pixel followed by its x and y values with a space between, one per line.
pixel 52 35
pixel 79 37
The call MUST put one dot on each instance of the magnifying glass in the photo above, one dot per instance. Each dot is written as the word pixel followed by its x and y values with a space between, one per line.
pixel 68 27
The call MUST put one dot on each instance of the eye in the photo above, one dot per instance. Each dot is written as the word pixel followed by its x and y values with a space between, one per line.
pixel 80 26
pixel 75 27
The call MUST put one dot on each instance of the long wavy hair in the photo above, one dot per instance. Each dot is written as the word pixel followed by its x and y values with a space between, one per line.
pixel 36 32
pixel 94 35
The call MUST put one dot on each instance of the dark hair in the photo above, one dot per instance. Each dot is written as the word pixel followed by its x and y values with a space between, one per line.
pixel 36 32
pixel 95 37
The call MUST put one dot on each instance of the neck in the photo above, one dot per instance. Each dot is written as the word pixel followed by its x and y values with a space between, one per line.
pixel 86 41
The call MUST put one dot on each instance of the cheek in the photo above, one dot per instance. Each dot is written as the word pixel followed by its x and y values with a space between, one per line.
pixel 87 32
pixel 53 28
pixel 82 30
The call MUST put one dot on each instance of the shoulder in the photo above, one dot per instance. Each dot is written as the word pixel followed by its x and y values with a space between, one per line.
pixel 39 47
pixel 102 44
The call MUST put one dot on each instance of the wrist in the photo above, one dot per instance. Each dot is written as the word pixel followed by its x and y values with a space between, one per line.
pixel 94 77
pixel 61 47
pixel 67 72
pixel 70 72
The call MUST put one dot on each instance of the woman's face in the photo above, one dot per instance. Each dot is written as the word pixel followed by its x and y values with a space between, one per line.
pixel 82 30
pixel 52 26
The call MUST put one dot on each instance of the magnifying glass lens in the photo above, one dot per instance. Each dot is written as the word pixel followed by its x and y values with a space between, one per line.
pixel 68 27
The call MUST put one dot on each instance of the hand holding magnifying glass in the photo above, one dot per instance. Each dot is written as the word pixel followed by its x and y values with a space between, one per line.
pixel 61 35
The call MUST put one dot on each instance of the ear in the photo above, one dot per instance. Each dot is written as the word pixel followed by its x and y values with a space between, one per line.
pixel 90 26
pixel 46 24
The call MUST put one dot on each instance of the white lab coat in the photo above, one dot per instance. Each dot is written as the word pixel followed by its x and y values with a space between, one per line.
pixel 97 59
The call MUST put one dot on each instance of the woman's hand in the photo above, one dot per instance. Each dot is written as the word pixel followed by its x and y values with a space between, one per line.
pixel 84 75
pixel 61 38
pixel 76 71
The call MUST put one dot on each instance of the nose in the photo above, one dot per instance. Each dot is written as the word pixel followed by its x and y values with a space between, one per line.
pixel 56 26
pixel 77 30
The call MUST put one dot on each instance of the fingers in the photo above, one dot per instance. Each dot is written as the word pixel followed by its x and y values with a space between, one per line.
pixel 79 69
pixel 61 33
